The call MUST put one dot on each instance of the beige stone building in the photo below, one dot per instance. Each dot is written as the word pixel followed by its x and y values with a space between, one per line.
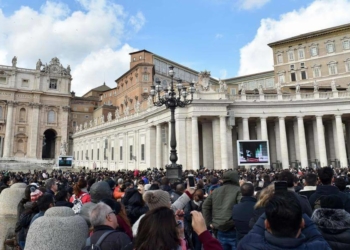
pixel 34 110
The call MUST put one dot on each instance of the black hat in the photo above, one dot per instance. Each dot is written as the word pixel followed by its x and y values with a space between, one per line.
pixel 331 201
pixel 214 181
pixel 116 207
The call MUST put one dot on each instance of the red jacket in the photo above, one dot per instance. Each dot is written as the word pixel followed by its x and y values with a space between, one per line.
pixel 209 242
pixel 86 198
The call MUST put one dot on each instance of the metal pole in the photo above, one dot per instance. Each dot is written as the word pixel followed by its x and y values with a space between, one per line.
pixel 173 154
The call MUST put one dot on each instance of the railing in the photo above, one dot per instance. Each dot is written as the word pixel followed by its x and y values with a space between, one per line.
pixel 271 97
pixel 326 95
pixel 252 97
pixel 343 93
pixel 307 96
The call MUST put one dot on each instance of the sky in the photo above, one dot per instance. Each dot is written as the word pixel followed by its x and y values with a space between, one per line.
pixel 226 37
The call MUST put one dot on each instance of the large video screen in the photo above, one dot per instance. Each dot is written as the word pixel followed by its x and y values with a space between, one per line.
pixel 65 161
pixel 253 152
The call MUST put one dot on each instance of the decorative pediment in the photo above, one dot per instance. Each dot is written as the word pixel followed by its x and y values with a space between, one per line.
pixel 56 68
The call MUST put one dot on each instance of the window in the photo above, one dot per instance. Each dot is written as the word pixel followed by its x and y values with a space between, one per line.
pixel 314 51
pixel 291 55
pixel 301 54
pixel 281 78
pixel 145 77
pixel 121 153
pixel 98 154
pixel 317 72
pixel 279 58
pixel 131 156
pixel 142 152
pixel 293 77
pixel 303 75
pixel 2 80
pixel 87 155
pixel 74 124
pixel 270 82
pixel 164 84
pixel 22 115
pixel 25 83
pixel 347 65
pixel 51 117
pixel 1 113
pixel 292 67
pixel 332 68
pixel 140 57
pixel 53 84
pixel 330 47
pixel 92 154
pixel 346 44
pixel 86 117
pixel 233 91
pixel 302 65
pixel 112 153
pixel 134 59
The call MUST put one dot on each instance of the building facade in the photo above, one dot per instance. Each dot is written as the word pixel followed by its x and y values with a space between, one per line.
pixel 34 110
pixel 302 108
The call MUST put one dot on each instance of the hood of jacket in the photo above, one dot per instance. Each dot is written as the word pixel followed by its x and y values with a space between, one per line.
pixel 331 220
pixel 231 177
pixel 100 190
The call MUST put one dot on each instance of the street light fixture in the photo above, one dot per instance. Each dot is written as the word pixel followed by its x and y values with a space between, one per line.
pixel 172 100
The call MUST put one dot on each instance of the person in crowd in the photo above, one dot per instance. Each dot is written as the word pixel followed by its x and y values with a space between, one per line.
pixel 119 191
pixel 243 211
pixel 104 219
pixel 340 183
pixel 154 186
pixel 134 204
pixel 287 176
pixel 44 203
pixel 310 183
pixel 193 205
pixel 159 228
pixel 284 227
pixel 179 190
pixel 5 183
pixel 259 208
pixel 80 192
pixel 165 185
pixel 51 187
pixel 111 184
pixel 214 184
pixel 62 199
pixel 297 184
pixel 325 175
pixel 333 222
pixel 217 209
pixel 123 221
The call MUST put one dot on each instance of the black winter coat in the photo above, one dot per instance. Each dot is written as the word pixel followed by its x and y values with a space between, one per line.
pixel 334 224
pixel 134 205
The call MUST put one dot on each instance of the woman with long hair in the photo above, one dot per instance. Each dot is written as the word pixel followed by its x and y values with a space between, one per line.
pixel 80 192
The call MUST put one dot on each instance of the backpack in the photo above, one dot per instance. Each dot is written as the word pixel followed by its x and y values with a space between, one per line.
pixel 96 246
pixel 77 203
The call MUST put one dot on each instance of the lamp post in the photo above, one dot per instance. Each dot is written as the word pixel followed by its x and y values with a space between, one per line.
pixel 172 100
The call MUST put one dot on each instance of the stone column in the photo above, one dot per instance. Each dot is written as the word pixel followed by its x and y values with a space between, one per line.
pixel 347 132
pixel 34 130
pixel 283 143
pixel 296 138
pixel 272 142
pixel 321 141
pixel 245 128
pixel 159 146
pixel 234 146
pixel 9 129
pixel 341 142
pixel 263 126
pixel 64 120
pixel 195 143
pixel 150 147
pixel 302 142
pixel 258 129
pixel 181 135
pixel 223 138
pixel 216 143
pixel 240 129
pixel 1 145
pixel 207 135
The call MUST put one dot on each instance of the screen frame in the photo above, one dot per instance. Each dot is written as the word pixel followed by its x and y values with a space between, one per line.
pixel 255 163
pixel 64 156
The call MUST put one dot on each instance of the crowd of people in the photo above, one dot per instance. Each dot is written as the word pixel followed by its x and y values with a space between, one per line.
pixel 228 209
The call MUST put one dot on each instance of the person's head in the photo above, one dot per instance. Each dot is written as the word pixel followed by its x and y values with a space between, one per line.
pixel 62 195
pixel 331 202
pixel 198 195
pixel 45 202
pixel 35 193
pixel 180 188
pixel 120 181
pixel 157 228
pixel 165 181
pixel 287 176
pixel 311 179
pixel 51 184
pixel 111 183
pixel 325 175
pixel 340 183
pixel 102 214
pixel 82 183
pixel 247 189
pixel 284 216
pixel 154 186
pixel 157 198
pixel 6 180
pixel 265 195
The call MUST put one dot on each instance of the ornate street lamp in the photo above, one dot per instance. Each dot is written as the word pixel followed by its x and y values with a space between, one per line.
pixel 172 100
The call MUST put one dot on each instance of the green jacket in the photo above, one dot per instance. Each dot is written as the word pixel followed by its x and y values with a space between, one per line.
pixel 217 208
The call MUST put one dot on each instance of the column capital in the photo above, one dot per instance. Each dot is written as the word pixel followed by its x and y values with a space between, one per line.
pixel 263 117
pixel 300 117
pixel 12 103
pixel 281 117
pixel 318 116
pixel 337 115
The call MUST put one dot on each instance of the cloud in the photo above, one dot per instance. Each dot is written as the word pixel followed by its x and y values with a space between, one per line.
pixel 218 36
pixel 256 56
pixel 252 4
pixel 74 37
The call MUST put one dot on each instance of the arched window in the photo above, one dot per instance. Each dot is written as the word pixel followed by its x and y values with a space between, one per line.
pixel 22 115
pixel 1 113
pixel 20 145
pixel 51 117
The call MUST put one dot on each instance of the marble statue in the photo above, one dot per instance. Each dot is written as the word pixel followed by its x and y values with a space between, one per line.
pixel 126 111
pixel 315 87
pixel 95 121
pixel 109 116
pixel 102 119
pixel 38 64
pixel 150 101
pixel 90 124
pixel 63 149
pixel 68 70
pixel 279 91
pixel 14 61
pixel 297 89
pixel 242 87
pixel 85 125
pixel 137 106
pixel 333 85
pixel 117 114
pixel 260 88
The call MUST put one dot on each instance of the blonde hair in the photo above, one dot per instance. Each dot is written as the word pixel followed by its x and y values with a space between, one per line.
pixel 265 195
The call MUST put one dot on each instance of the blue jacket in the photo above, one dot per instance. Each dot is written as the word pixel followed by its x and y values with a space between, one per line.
pixel 241 215
pixel 258 238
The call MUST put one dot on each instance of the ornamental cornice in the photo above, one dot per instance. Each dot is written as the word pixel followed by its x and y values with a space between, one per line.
pixel 35 105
